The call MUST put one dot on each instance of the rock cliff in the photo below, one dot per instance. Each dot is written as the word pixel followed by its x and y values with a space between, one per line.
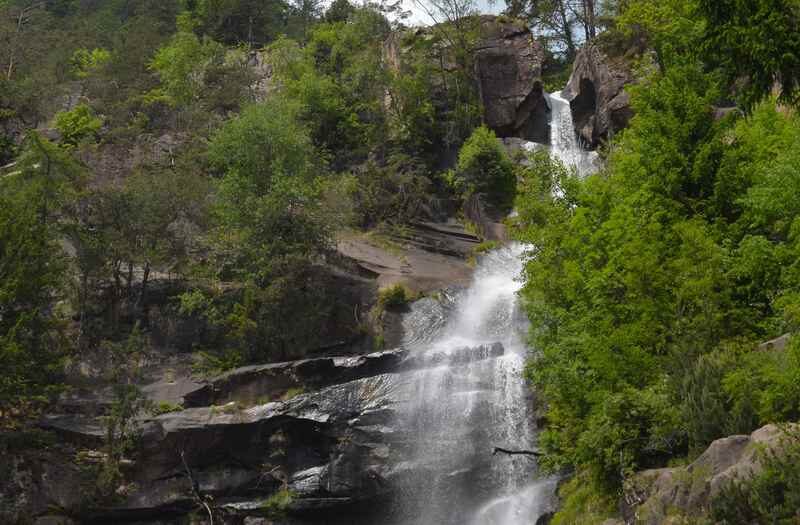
pixel 507 74
pixel 596 93
pixel 508 69
pixel 338 450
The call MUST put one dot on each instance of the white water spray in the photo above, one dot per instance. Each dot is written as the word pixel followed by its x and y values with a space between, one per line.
pixel 459 411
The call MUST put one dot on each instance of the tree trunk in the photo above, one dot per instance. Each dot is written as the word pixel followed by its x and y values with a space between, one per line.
pixel 588 11
pixel 566 30
pixel 143 292
pixel 129 291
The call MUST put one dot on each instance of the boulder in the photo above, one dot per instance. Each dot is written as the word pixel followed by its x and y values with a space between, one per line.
pixel 596 93
pixel 652 495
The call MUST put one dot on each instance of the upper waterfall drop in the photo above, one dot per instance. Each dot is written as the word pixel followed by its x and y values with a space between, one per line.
pixel 564 143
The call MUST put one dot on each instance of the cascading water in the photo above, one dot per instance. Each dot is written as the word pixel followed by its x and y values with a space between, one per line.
pixel 564 143
pixel 476 400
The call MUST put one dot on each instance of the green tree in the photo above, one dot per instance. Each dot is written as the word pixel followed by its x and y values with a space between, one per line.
pixel 77 125
pixel 485 168
pixel 270 230
pixel 181 64
pixel 758 40
pixel 32 269
pixel 128 402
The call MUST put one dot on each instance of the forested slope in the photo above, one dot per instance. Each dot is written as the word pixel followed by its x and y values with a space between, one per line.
pixel 651 284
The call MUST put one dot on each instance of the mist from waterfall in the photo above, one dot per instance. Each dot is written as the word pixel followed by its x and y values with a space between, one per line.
pixel 458 412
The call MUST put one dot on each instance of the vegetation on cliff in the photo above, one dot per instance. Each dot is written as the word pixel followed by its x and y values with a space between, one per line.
pixel 181 168
pixel 194 161
pixel 650 284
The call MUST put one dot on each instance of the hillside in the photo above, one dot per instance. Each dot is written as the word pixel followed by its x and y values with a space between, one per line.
pixel 270 262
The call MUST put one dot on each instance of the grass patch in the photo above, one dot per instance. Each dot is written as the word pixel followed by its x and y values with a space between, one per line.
pixel 292 392
pixel 276 505
pixel 486 246
pixel 395 296
pixel 165 408
pixel 583 503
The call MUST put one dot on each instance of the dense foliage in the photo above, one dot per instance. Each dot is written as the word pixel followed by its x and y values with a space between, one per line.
pixel 200 159
pixel 650 284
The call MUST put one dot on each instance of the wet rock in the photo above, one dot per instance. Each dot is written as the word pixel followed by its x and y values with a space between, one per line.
pixel 596 93
pixel 261 383
pixel 258 384
pixel 337 449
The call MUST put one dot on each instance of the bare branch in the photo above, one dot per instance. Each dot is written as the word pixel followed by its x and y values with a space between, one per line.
pixel 196 489
pixel 516 452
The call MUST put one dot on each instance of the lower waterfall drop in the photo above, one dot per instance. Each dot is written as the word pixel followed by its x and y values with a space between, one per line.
pixel 474 400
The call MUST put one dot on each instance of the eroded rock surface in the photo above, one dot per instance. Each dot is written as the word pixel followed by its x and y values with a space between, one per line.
pixel 341 450
pixel 596 93
pixel 508 68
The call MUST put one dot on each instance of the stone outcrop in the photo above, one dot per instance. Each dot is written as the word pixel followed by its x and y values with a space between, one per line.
pixel 508 68
pixel 340 450
pixel 424 256
pixel 596 93
pixel 653 495
pixel 253 384
pixel 507 74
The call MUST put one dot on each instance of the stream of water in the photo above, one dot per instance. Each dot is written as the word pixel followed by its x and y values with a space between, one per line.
pixel 459 411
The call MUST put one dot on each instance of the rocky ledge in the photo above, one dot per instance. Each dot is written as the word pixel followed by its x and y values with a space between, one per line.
pixel 664 495
pixel 260 383
pixel 339 445
pixel 596 93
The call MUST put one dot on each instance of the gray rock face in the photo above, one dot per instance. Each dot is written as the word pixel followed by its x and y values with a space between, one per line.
pixel 508 68
pixel 595 91
pixel 339 449
pixel 507 72
pixel 260 383
pixel 248 384
pixel 656 494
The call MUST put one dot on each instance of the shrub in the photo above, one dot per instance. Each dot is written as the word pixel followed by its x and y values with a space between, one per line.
pixel 396 192
pixel 486 246
pixel 395 297
pixel 485 167
pixel 165 408
pixel 292 392
pixel 276 505
pixel 582 501
pixel 85 62
pixel 7 149
pixel 78 124
pixel 771 496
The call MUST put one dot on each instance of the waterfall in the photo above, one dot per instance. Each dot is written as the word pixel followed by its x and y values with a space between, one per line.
pixel 456 413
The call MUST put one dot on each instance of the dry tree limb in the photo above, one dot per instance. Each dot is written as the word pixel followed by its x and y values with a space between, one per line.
pixel 516 452
pixel 196 489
